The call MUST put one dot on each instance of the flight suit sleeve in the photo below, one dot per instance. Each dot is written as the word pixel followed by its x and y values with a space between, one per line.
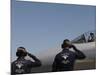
pixel 37 62
pixel 12 68
pixel 54 65
pixel 79 54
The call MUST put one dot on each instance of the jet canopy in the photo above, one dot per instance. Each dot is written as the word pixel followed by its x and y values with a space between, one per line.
pixel 86 37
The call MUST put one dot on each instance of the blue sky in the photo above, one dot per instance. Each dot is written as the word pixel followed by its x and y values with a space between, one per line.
pixel 40 26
